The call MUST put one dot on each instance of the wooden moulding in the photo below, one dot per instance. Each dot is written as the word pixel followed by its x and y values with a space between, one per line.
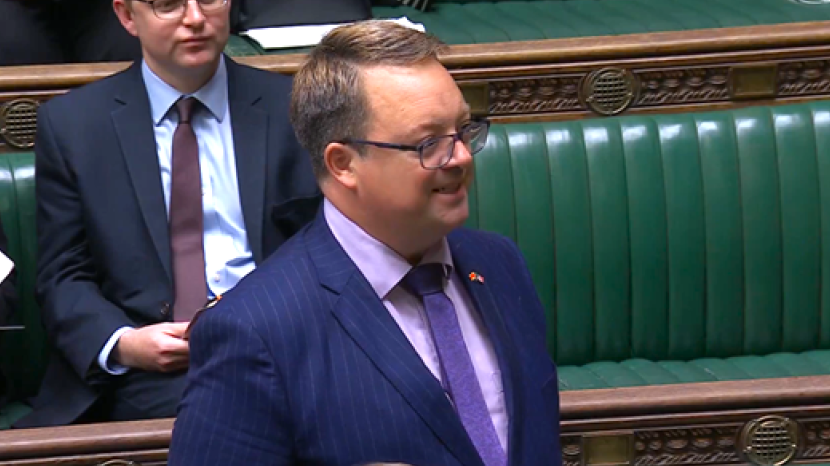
pixel 462 57
pixel 694 397
pixel 546 80
pixel 115 439
pixel 639 419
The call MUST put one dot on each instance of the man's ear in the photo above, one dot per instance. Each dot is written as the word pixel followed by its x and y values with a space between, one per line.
pixel 124 12
pixel 339 161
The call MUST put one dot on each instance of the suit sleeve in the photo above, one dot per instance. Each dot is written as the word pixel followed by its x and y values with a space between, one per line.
pixel 77 317
pixel 8 292
pixel 234 410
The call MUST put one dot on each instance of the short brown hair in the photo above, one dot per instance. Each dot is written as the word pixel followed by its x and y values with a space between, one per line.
pixel 328 103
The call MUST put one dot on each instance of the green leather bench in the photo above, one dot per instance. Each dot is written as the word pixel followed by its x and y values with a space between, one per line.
pixel 671 248
pixel 483 21
pixel 666 249
pixel 22 353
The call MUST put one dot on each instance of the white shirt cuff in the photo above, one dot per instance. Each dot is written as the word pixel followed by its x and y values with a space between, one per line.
pixel 104 355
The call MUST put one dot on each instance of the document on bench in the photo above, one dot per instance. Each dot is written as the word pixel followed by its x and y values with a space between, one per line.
pixel 6 267
pixel 304 36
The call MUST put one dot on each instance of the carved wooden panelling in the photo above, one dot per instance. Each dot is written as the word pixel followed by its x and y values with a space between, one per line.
pixel 705 445
pixel 543 95
pixel 571 451
pixel 693 85
pixel 816 440
pixel 802 78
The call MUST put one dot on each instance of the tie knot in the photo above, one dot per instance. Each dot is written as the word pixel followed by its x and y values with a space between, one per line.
pixel 185 107
pixel 425 279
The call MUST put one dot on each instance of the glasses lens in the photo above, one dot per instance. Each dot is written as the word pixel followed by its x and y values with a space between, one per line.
pixel 433 151
pixel 475 136
pixel 167 9
pixel 437 152
pixel 210 5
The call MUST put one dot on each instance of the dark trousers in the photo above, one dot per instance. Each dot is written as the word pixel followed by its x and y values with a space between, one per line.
pixel 34 32
pixel 138 395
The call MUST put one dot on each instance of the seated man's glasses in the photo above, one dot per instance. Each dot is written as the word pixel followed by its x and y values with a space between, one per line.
pixel 174 9
pixel 437 151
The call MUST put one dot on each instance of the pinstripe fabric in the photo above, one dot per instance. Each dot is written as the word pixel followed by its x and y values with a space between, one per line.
pixel 302 364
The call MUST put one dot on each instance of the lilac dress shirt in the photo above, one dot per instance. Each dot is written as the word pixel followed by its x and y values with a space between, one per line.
pixel 384 269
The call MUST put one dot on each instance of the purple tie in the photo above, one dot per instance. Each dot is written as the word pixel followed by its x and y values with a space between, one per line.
pixel 186 218
pixel 427 281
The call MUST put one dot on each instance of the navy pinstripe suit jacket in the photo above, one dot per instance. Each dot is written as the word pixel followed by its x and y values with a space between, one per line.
pixel 301 364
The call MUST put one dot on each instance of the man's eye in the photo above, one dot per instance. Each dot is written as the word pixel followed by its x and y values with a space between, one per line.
pixel 166 5
pixel 429 143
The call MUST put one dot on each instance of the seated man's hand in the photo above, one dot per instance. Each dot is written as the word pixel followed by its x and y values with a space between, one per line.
pixel 155 348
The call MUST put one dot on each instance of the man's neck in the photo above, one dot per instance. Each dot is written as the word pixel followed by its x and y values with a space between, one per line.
pixel 186 81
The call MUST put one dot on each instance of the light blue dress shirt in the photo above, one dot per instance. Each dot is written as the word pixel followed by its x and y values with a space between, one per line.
pixel 228 255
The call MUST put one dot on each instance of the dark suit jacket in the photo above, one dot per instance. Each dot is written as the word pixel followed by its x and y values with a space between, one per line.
pixel 105 259
pixel 251 14
pixel 302 364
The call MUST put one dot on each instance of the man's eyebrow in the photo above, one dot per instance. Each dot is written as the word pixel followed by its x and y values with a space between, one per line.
pixel 438 124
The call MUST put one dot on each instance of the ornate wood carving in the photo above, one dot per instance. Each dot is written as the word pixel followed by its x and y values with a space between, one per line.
pixel 803 78
pixel 571 450
pixel 816 440
pixel 560 93
pixel 683 86
pixel 705 445
pixel 541 95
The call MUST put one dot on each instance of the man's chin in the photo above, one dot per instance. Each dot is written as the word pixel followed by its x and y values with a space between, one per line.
pixel 198 60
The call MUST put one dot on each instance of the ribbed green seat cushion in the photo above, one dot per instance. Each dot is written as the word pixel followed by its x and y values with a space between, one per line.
pixel 670 248
pixel 502 21
pixel 640 372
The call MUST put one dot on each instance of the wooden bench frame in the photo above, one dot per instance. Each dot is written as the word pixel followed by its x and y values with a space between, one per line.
pixel 552 79
pixel 690 424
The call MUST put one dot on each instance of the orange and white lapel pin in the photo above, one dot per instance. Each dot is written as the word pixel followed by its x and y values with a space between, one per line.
pixel 475 277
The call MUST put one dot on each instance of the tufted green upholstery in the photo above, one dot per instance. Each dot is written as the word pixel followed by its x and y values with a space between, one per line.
pixel 22 354
pixel 472 22
pixel 480 21
pixel 666 249
pixel 671 248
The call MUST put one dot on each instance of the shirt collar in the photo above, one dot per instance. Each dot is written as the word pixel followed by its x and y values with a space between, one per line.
pixel 213 95
pixel 382 267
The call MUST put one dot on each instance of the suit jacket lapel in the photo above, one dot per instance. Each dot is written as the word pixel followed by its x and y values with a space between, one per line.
pixel 250 142
pixel 134 127
pixel 369 324
pixel 491 306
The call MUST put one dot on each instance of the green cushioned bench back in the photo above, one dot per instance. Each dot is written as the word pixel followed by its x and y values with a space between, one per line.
pixel 487 21
pixel 669 236
pixel 22 353
pixel 473 22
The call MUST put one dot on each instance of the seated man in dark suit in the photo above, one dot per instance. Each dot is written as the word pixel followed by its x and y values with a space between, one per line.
pixel 372 335
pixel 180 175
pixel 42 32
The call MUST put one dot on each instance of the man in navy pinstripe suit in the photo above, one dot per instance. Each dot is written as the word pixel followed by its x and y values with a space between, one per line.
pixel 382 332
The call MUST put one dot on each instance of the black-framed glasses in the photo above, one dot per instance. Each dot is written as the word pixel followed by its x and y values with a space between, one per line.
pixel 174 9
pixel 437 151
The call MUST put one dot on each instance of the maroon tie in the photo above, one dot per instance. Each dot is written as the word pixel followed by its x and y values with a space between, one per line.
pixel 186 218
